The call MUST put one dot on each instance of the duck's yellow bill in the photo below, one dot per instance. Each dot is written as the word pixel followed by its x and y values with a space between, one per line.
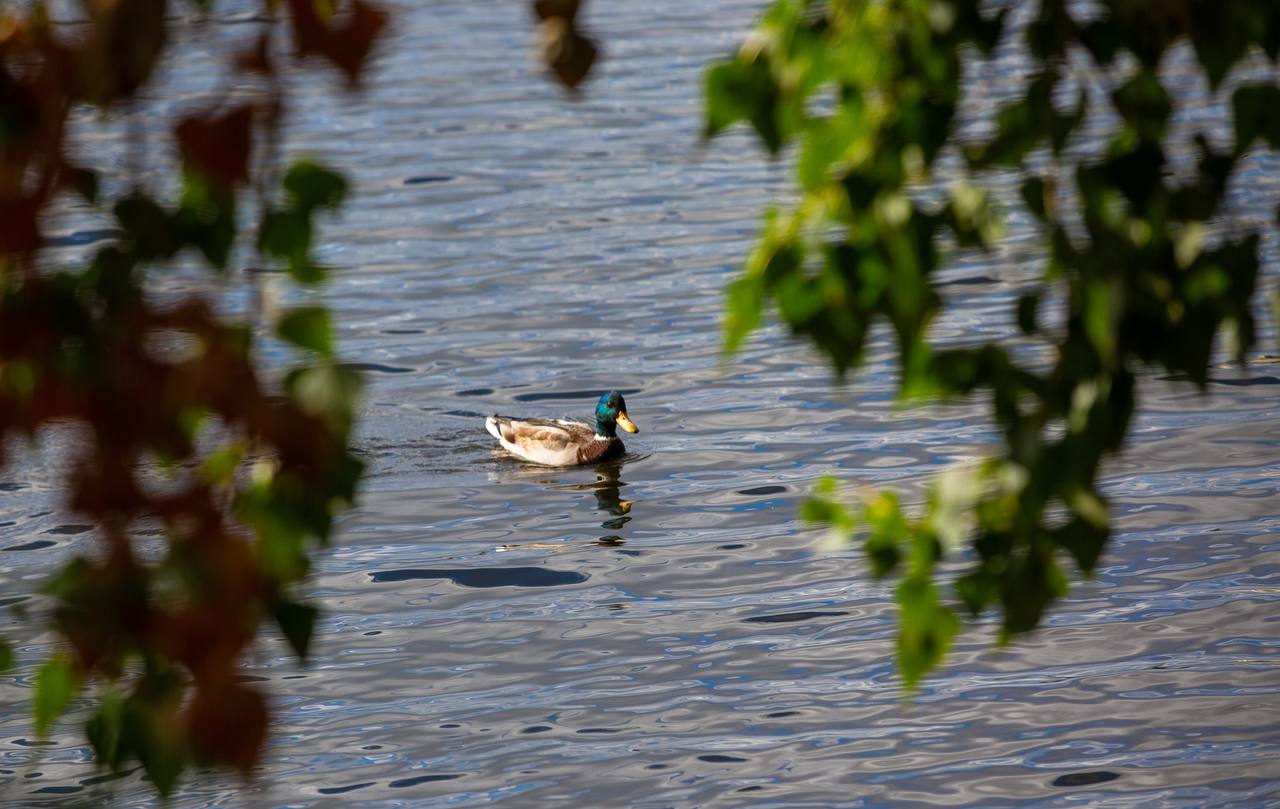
pixel 627 424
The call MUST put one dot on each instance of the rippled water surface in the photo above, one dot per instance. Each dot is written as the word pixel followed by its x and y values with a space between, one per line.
pixel 662 631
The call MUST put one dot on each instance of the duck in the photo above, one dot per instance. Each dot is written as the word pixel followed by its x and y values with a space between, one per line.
pixel 564 442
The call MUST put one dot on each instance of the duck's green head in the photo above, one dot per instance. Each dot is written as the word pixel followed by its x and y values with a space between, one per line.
pixel 611 412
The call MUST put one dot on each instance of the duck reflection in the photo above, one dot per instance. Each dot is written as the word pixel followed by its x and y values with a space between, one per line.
pixel 608 492
pixel 607 488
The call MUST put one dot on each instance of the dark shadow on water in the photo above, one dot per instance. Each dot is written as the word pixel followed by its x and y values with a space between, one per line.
pixel 486 576
pixel 31 546
pixel 792 617
pixel 568 395
pixel 377 368
pixel 421 779
pixel 1084 779
pixel 340 790
pixel 760 491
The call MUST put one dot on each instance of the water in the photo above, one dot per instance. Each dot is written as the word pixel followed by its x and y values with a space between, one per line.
pixel 662 631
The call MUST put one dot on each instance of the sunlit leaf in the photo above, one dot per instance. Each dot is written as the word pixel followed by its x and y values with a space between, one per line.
pixel 220 466
pixel 743 308
pixel 926 629
pixel 328 391
pixel 743 91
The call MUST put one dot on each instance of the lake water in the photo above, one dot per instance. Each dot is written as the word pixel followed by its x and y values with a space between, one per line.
pixel 663 631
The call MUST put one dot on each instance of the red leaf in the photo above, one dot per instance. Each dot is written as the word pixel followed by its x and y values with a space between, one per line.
pixel 227 723
pixel 567 52
pixel 124 45
pixel 347 45
pixel 256 58
pixel 21 231
pixel 218 146
pixel 565 9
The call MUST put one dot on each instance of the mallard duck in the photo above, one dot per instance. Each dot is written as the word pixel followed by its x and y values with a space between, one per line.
pixel 561 442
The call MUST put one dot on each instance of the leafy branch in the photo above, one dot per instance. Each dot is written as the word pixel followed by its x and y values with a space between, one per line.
pixel 867 94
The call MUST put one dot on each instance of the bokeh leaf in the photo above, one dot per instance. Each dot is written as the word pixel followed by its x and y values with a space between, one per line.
pixel 297 622
pixel 56 683
pixel 307 327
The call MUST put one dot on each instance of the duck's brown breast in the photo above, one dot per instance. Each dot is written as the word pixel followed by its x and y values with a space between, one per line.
pixel 600 449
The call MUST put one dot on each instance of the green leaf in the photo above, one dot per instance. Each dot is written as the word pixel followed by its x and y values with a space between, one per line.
pixel 1030 582
pixel 1256 109
pixel 297 622
pixel 821 511
pixel 1144 103
pixel 744 304
pixel 1084 541
pixel 1275 316
pixel 285 234
pixel 148 229
pixel 221 465
pixel 163 757
pixel 6 656
pixel 1220 36
pixel 926 629
pixel 105 730
pixel 56 684
pixel 977 590
pixel 311 186
pixel 307 327
pixel 327 391
pixel 207 219
pixel 1027 305
pixel 887 529
pixel 737 90
pixel 1034 194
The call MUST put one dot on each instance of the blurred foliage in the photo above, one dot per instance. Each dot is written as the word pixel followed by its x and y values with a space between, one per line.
pixel 866 94
pixel 182 436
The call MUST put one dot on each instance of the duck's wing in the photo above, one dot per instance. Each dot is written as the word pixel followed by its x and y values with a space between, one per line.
pixel 554 442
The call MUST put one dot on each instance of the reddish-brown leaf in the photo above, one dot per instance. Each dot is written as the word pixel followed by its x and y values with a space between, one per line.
pixel 347 44
pixel 256 58
pixel 125 42
pixel 227 723
pixel 565 9
pixel 21 231
pixel 218 146
pixel 567 52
